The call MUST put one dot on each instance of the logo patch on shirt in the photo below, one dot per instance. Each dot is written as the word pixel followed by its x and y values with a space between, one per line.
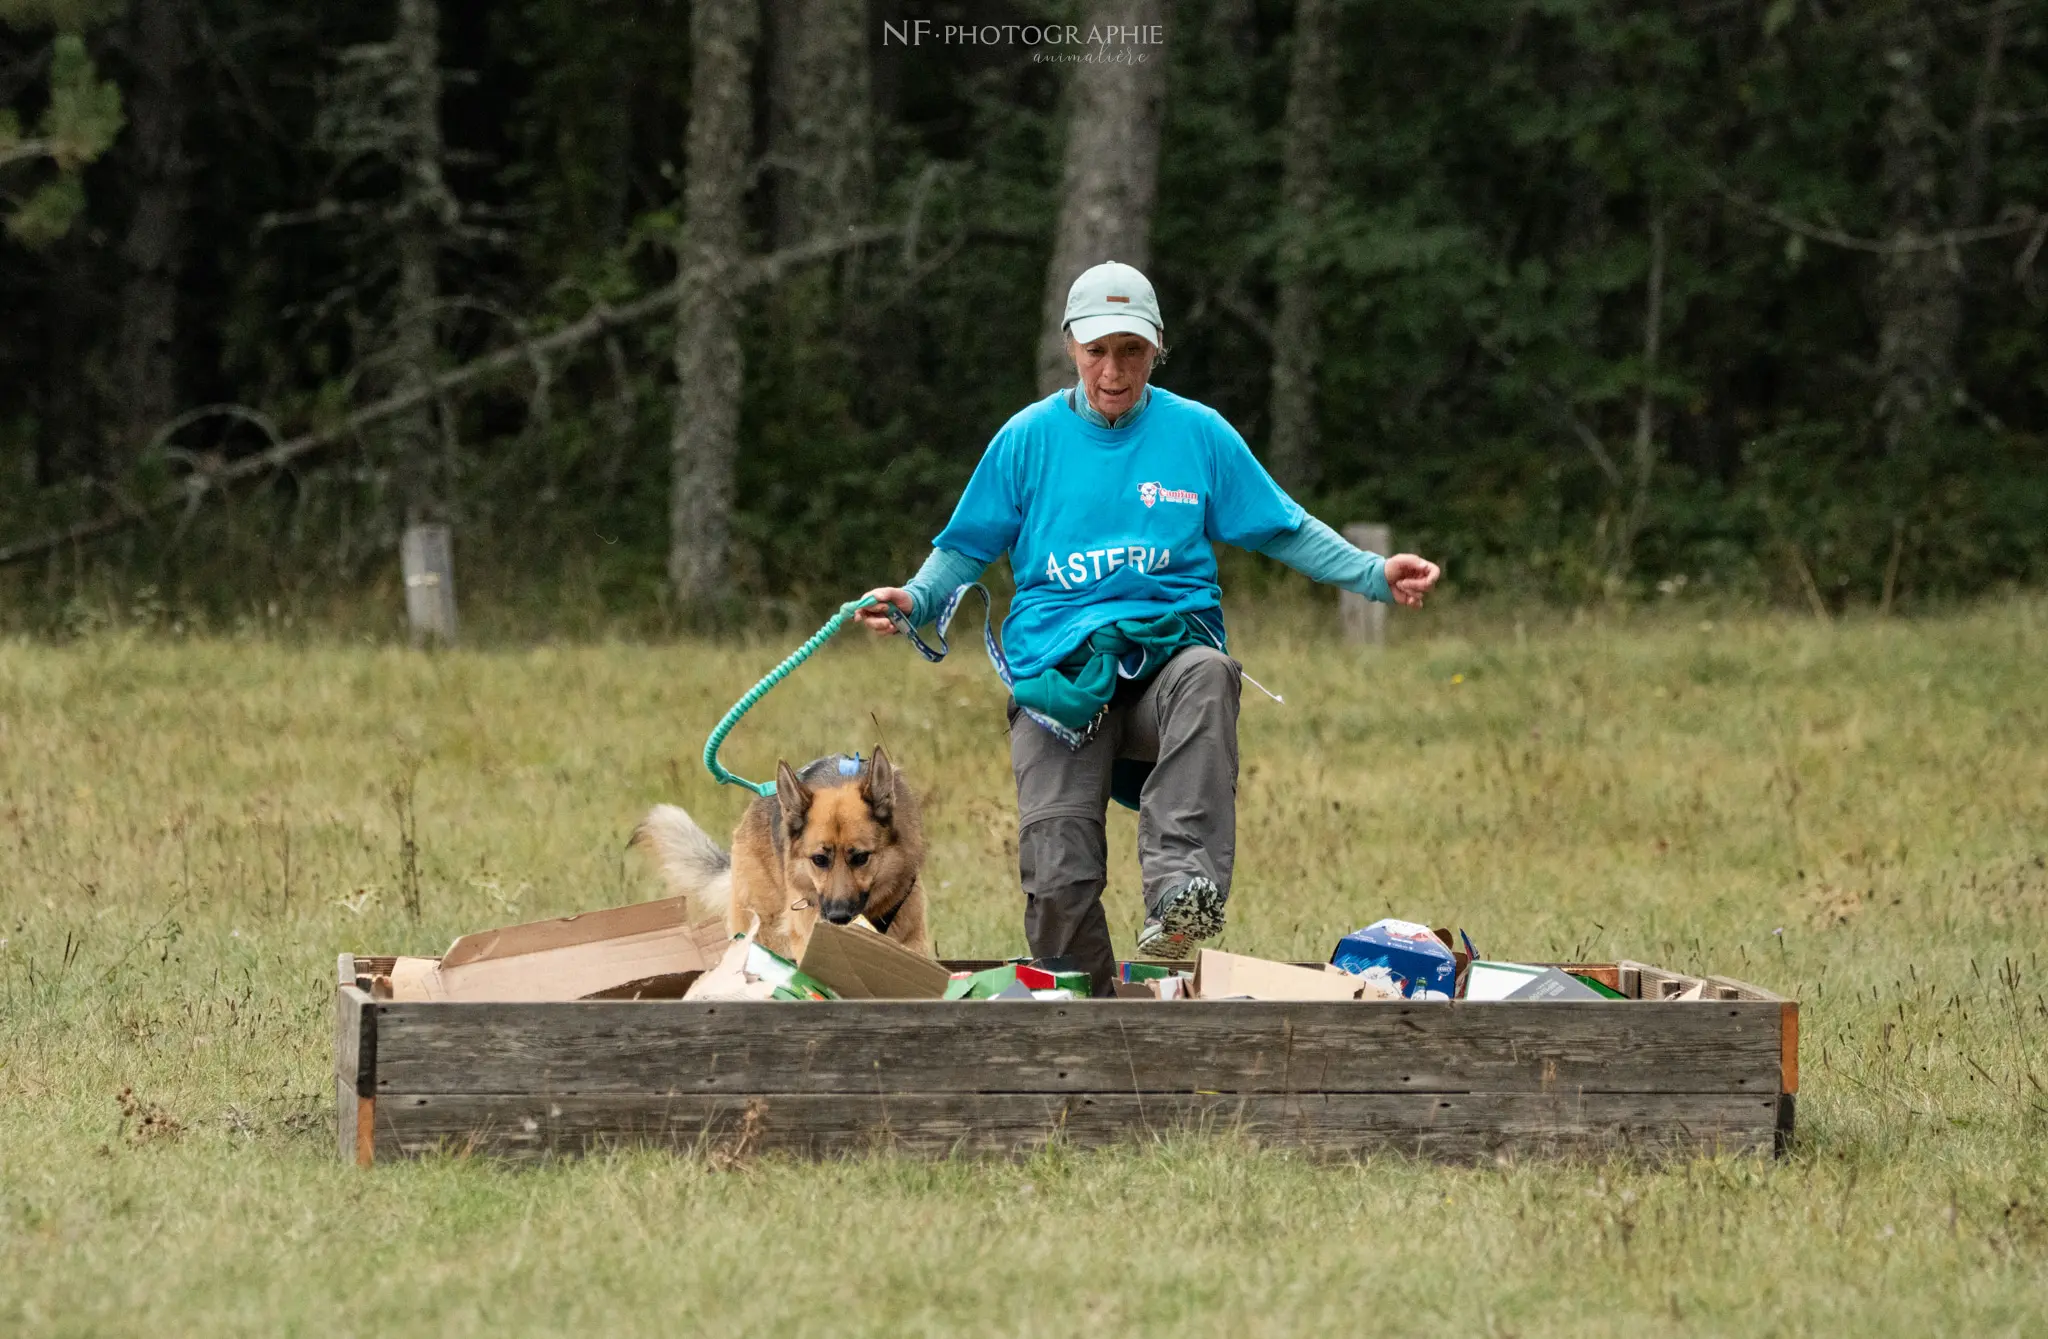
pixel 1151 494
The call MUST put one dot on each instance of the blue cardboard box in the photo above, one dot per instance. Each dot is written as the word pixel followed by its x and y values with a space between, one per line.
pixel 1416 960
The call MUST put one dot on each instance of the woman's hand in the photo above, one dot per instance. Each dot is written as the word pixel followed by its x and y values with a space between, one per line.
pixel 876 619
pixel 1409 578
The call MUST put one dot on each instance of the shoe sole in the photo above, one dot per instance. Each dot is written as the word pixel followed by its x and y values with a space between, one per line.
pixel 1190 915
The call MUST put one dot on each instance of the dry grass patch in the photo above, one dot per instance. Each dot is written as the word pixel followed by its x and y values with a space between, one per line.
pixel 1854 814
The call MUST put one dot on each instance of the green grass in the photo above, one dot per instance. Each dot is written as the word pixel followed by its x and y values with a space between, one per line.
pixel 1856 814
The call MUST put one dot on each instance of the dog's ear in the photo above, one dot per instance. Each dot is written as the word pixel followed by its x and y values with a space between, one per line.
pixel 794 796
pixel 878 788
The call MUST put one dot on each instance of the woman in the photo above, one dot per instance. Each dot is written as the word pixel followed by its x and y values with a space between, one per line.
pixel 1108 497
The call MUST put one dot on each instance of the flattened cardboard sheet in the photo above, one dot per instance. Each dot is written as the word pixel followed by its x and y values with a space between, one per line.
pixel 1222 976
pixel 862 965
pixel 667 986
pixel 570 958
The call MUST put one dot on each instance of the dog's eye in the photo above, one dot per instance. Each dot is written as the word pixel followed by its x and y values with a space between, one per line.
pixel 822 859
pixel 856 858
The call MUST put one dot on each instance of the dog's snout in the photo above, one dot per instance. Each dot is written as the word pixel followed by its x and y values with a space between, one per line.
pixel 839 913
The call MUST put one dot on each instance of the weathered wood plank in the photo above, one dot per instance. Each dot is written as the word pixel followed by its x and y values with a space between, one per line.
pixel 347 1033
pixel 345 1110
pixel 1744 990
pixel 1097 1046
pixel 1788 1046
pixel 355 1124
pixel 1452 1126
pixel 1656 983
pixel 355 1039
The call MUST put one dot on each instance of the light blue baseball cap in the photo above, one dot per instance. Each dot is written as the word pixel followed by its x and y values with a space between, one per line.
pixel 1113 299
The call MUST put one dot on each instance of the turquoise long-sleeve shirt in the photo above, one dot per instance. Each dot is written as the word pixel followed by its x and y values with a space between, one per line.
pixel 1314 550
pixel 1307 545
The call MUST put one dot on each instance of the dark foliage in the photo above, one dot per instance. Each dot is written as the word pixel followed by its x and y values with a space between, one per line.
pixel 1511 181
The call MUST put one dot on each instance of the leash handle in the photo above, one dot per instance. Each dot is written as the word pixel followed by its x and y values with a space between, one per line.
pixel 760 690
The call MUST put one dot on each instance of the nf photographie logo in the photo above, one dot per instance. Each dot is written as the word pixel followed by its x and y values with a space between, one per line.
pixel 1097 42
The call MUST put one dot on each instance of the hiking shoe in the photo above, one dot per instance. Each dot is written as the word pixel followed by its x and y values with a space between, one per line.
pixel 1188 913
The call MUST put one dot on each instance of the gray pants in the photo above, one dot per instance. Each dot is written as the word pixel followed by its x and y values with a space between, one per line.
pixel 1185 722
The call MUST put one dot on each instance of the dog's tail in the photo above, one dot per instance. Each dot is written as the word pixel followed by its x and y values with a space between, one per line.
pixel 689 862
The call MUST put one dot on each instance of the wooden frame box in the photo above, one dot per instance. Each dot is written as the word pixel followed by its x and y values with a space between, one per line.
pixel 1455 1081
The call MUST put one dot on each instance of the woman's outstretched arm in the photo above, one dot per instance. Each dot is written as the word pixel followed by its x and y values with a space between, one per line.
pixel 1321 554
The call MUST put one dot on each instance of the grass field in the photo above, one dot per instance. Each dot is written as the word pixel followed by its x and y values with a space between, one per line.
pixel 1853 813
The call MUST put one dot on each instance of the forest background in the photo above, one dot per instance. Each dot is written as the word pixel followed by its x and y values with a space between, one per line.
pixel 683 312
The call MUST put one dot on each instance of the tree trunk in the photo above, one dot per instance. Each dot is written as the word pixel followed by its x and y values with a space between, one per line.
pixel 1918 292
pixel 819 126
pixel 820 144
pixel 1111 175
pixel 426 210
pixel 1312 109
pixel 1975 174
pixel 153 253
pixel 707 350
pixel 1643 451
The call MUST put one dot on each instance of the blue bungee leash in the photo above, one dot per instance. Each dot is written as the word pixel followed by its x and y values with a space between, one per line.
pixel 941 625
pixel 760 690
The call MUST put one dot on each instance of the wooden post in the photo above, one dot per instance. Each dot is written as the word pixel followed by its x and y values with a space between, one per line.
pixel 428 559
pixel 1365 621
pixel 355 1068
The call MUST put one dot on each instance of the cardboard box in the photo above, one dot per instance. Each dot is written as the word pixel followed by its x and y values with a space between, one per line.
pixel 1551 984
pixel 1497 980
pixel 1079 984
pixel 1156 988
pixel 730 980
pixel 650 948
pixel 859 964
pixel 750 972
pixel 1153 981
pixel 1596 985
pixel 1373 985
pixel 981 985
pixel 790 981
pixel 1523 981
pixel 1222 976
pixel 1413 954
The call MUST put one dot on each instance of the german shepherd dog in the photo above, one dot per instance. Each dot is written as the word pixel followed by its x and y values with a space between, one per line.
pixel 838 839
